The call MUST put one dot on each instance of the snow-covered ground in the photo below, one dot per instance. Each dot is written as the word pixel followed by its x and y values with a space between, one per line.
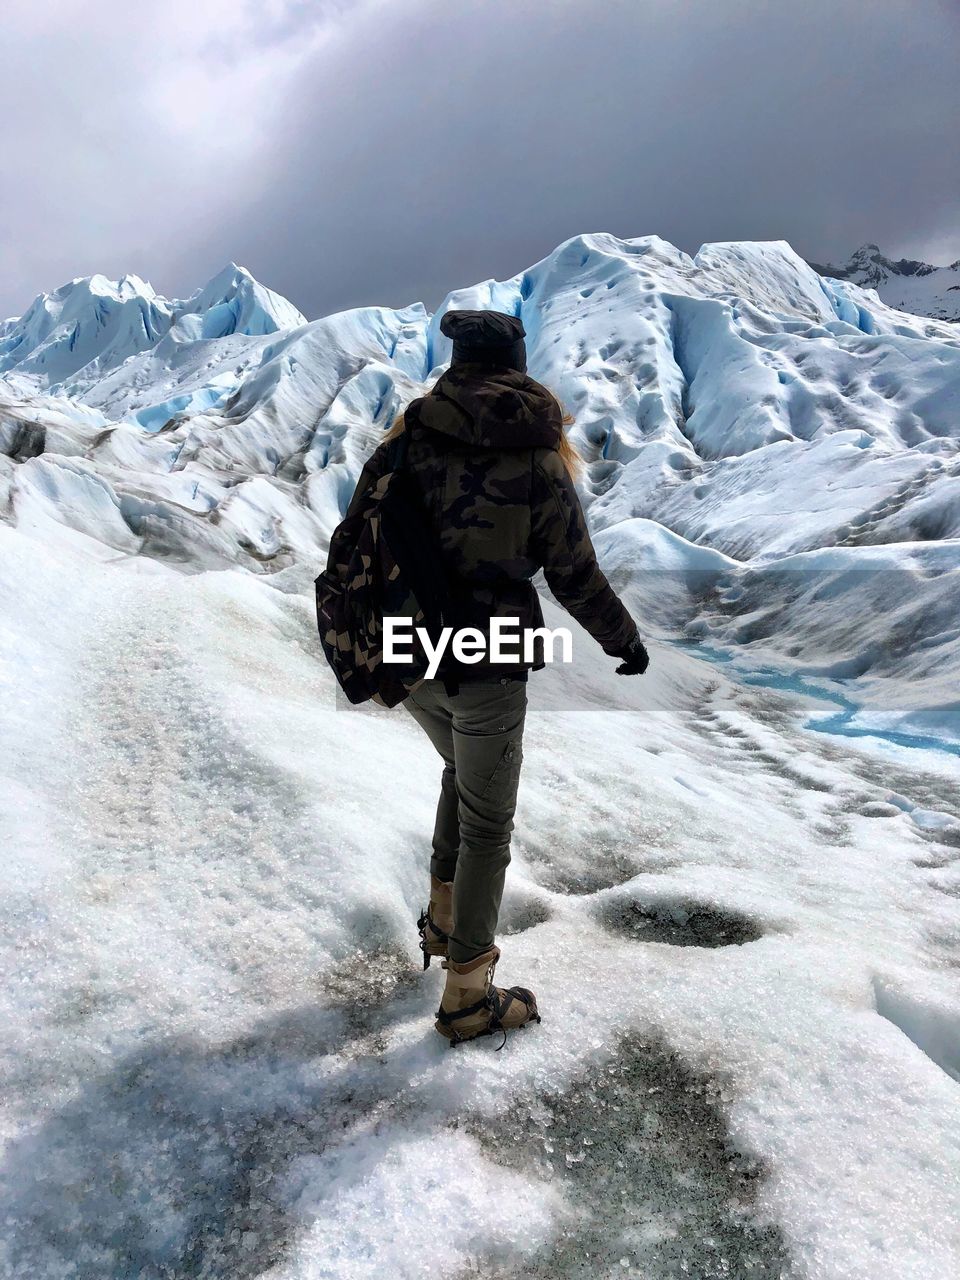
pixel 735 883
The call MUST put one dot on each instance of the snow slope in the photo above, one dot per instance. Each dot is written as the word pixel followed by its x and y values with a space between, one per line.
pixel 737 904
pixel 905 283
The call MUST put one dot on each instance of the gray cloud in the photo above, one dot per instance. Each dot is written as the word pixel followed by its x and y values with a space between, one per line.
pixel 373 152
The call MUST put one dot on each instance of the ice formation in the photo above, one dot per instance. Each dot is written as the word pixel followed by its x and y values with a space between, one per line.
pixel 735 881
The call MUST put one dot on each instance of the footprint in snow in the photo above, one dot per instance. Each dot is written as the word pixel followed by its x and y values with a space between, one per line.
pixel 678 923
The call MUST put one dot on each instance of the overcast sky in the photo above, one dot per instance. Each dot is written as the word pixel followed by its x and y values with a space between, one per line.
pixel 373 151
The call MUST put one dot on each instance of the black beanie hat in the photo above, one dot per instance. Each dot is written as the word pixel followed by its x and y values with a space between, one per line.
pixel 486 337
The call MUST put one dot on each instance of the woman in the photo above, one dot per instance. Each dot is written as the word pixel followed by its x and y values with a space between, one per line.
pixel 495 470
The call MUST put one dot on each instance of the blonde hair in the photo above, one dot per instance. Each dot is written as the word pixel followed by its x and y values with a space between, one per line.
pixel 569 454
pixel 568 451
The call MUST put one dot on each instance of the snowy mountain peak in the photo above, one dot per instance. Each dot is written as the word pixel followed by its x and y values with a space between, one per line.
pixel 908 284
pixel 222 286
pixel 91 318
pixel 97 322
pixel 128 286
pixel 233 301
pixel 70 300
pixel 230 273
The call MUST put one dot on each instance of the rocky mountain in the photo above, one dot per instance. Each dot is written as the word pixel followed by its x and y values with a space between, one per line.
pixel 904 283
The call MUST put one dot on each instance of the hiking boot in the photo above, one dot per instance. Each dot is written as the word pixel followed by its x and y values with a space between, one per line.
pixel 472 1006
pixel 436 923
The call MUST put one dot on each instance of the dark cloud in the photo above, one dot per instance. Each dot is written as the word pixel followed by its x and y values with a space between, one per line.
pixel 418 147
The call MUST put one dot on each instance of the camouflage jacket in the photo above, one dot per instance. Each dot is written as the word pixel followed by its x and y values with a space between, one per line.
pixel 483 452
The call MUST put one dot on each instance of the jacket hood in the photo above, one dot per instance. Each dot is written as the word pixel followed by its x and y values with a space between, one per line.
pixel 490 408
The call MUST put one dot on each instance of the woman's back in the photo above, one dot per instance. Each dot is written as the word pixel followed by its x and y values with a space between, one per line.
pixel 485 453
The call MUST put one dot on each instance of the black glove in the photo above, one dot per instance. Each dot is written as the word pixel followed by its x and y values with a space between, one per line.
pixel 635 658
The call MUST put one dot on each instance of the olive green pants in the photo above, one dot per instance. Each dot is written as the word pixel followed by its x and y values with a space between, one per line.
pixel 478 732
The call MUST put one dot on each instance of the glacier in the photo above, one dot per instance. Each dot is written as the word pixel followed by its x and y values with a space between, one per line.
pixel 738 904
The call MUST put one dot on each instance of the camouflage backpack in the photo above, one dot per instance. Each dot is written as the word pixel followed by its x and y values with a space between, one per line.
pixel 384 561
